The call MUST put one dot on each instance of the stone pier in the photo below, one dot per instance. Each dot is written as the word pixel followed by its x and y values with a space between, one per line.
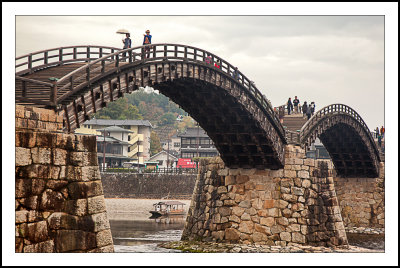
pixel 294 205
pixel 59 202
pixel 362 200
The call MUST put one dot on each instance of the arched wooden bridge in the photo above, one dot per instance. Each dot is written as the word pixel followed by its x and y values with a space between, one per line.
pixel 78 81
pixel 347 139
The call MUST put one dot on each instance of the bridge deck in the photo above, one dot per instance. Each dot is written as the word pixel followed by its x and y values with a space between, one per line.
pixel 39 92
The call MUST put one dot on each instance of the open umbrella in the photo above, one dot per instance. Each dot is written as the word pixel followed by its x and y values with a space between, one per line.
pixel 122 31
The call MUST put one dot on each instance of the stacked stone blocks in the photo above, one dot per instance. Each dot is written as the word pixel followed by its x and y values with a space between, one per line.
pixel 59 198
pixel 362 200
pixel 294 205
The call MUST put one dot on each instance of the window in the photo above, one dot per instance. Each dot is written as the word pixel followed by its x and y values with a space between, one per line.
pixel 177 144
pixel 160 162
pixel 129 137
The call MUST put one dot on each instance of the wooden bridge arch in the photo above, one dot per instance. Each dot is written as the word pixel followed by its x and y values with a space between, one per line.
pixel 347 139
pixel 233 112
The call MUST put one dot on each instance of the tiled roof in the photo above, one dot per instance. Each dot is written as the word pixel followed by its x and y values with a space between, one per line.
pixel 108 122
pixel 161 153
pixel 194 132
pixel 111 140
pixel 115 129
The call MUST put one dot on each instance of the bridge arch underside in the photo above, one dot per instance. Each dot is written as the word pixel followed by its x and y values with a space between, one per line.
pixel 237 135
pixel 240 129
pixel 349 147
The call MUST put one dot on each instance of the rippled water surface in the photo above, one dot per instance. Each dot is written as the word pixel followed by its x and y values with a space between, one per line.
pixel 134 231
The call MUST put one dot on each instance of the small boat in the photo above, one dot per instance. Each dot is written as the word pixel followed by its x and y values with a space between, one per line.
pixel 167 208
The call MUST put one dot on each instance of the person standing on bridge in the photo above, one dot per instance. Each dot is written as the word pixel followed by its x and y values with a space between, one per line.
pixel 304 108
pixel 146 43
pixel 127 43
pixel 296 102
pixel 289 106
pixel 377 132
pixel 218 64
pixel 308 111
pixel 380 141
pixel 235 73
pixel 382 131
pixel 312 108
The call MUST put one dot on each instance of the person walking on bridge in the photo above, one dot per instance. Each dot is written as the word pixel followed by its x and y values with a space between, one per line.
pixel 296 102
pixel 289 106
pixel 146 43
pixel 127 43
pixel 382 131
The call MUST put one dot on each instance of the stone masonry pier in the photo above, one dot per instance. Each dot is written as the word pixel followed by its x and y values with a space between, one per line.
pixel 294 205
pixel 59 198
pixel 59 202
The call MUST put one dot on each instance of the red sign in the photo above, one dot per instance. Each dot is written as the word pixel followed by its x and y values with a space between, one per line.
pixel 185 163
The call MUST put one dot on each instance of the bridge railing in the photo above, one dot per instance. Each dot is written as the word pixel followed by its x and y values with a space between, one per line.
pixel 29 63
pixel 334 109
pixel 152 171
pixel 101 60
pixel 56 56
pixel 162 53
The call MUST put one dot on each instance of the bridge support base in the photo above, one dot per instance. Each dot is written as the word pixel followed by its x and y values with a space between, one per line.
pixel 294 205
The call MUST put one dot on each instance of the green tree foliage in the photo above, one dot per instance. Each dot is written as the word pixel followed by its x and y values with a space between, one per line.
pixel 167 119
pixel 155 144
pixel 186 122
pixel 154 107
pixel 120 110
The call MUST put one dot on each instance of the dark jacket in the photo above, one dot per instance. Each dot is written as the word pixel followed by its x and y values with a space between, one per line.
pixel 304 108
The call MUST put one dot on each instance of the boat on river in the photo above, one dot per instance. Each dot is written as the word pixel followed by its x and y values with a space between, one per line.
pixel 167 208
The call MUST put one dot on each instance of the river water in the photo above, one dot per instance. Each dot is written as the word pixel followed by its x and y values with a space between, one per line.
pixel 134 231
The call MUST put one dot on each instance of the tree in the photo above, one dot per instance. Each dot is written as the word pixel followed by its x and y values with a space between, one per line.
pixel 119 110
pixel 155 144
pixel 167 119
pixel 186 122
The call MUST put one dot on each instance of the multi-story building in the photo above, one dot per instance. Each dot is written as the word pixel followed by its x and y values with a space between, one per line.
pixel 138 138
pixel 113 147
pixel 196 143
pixel 174 146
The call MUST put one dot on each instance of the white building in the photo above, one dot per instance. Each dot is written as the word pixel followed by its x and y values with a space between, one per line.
pixel 162 158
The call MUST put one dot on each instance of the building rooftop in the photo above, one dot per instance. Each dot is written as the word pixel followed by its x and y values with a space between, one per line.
pixel 108 122
pixel 163 152
pixel 194 132
pixel 111 140
pixel 115 129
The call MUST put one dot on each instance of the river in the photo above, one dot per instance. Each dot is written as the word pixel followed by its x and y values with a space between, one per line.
pixel 134 231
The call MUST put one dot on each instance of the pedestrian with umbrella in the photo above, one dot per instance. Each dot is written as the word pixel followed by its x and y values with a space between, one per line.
pixel 127 41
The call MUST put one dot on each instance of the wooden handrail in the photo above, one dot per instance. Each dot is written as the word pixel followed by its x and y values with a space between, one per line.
pixel 336 108
pixel 187 54
pixel 61 53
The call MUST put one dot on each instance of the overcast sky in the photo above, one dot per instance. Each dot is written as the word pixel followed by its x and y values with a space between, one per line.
pixel 326 59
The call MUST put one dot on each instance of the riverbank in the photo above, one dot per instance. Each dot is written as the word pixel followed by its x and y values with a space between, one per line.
pixel 134 231
pixel 211 247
